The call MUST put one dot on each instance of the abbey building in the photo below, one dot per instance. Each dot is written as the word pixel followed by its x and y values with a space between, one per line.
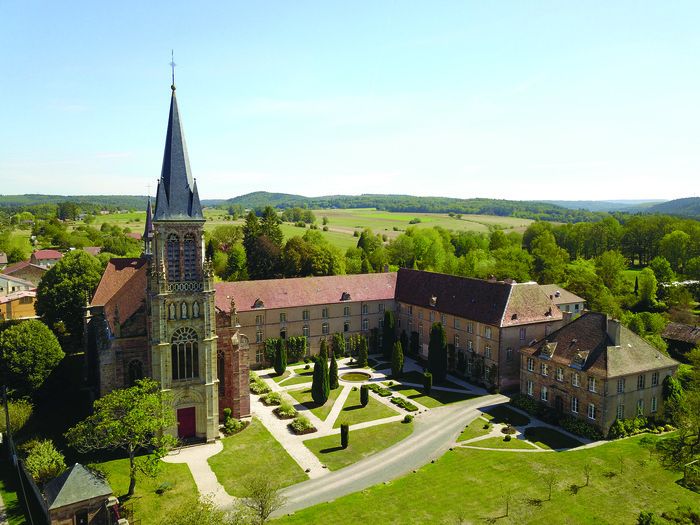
pixel 156 315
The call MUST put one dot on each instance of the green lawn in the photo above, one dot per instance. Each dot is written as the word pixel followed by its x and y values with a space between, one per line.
pixel 279 378
pixel 149 507
pixel 363 443
pixel 305 377
pixel 471 483
pixel 321 412
pixel 504 414
pixel 498 442
pixel 251 451
pixel 378 365
pixel 436 398
pixel 549 438
pixel 474 429
pixel 353 412
pixel 417 377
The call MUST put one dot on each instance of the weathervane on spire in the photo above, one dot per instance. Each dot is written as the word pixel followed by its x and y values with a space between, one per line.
pixel 172 66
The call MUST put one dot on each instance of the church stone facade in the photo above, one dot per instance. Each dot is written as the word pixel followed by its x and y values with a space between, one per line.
pixel 156 315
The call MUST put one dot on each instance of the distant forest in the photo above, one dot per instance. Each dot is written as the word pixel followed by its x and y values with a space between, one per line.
pixel 563 211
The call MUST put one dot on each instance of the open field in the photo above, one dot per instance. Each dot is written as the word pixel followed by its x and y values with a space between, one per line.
pixel 342 223
pixel 468 486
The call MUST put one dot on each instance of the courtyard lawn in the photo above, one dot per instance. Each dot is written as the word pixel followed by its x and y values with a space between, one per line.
pixel 378 365
pixel 279 378
pixel 353 412
pixel 148 506
pixel 470 483
pixel 549 438
pixel 474 429
pixel 251 451
pixel 417 378
pixel 304 377
pixel 504 414
pixel 303 396
pixel 363 443
pixel 499 442
pixel 436 398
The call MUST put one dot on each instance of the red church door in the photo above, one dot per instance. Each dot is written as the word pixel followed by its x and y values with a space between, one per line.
pixel 186 425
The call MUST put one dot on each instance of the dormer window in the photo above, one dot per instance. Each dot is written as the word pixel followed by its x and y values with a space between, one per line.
pixel 258 303
pixel 345 296
pixel 433 300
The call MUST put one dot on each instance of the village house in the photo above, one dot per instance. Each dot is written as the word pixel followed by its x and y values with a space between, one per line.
pixel 681 338
pixel 26 270
pixel 45 258
pixel 596 370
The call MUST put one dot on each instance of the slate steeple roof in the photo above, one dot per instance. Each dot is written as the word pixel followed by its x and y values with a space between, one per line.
pixel 177 198
pixel 148 230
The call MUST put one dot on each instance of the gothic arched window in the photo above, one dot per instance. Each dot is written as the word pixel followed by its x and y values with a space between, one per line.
pixel 173 257
pixel 184 354
pixel 183 310
pixel 195 309
pixel 190 257
pixel 135 371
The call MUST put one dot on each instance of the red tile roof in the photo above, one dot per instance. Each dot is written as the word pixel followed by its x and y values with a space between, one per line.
pixel 47 254
pixel 289 293
pixel 92 250
pixel 123 286
pixel 11 268
pixel 134 235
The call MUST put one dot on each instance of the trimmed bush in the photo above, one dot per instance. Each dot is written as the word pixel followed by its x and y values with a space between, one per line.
pixel 333 373
pixel 407 418
pixel 508 429
pixel 302 425
pixel 273 398
pixel 362 353
pixel 364 395
pixel 507 437
pixel 397 360
pixel 257 385
pixel 280 356
pixel 427 382
pixel 406 405
pixel 285 410
pixel 378 389
pixel 344 435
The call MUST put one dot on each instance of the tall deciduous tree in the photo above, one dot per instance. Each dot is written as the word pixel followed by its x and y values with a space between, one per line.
pixel 647 286
pixel 133 420
pixel 64 291
pixel 29 351
pixel 437 352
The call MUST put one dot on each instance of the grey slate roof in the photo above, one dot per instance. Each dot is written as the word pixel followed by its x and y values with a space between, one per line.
pixel 148 230
pixel 177 197
pixel 75 485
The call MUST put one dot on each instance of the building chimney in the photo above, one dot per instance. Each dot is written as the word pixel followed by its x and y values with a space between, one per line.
pixel 614 331
pixel 567 317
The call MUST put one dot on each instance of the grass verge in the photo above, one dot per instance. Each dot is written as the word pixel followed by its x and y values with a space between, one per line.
pixel 363 443
pixel 549 438
pixel 353 412
pixel 250 451
pixel 483 476
pixel 474 429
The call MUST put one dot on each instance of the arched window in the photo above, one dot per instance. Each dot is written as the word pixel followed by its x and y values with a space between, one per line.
pixel 173 257
pixel 190 257
pixel 135 371
pixel 195 309
pixel 172 311
pixel 183 310
pixel 184 354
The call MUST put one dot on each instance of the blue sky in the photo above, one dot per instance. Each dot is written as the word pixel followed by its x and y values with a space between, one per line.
pixel 515 100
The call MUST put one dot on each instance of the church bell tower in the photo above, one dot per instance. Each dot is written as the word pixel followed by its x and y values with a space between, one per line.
pixel 180 295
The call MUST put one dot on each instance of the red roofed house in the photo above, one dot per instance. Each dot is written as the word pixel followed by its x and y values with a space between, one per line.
pixel 26 270
pixel 45 258
pixel 155 315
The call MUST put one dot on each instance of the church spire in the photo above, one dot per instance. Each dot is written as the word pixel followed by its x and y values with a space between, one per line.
pixel 176 198
pixel 148 230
